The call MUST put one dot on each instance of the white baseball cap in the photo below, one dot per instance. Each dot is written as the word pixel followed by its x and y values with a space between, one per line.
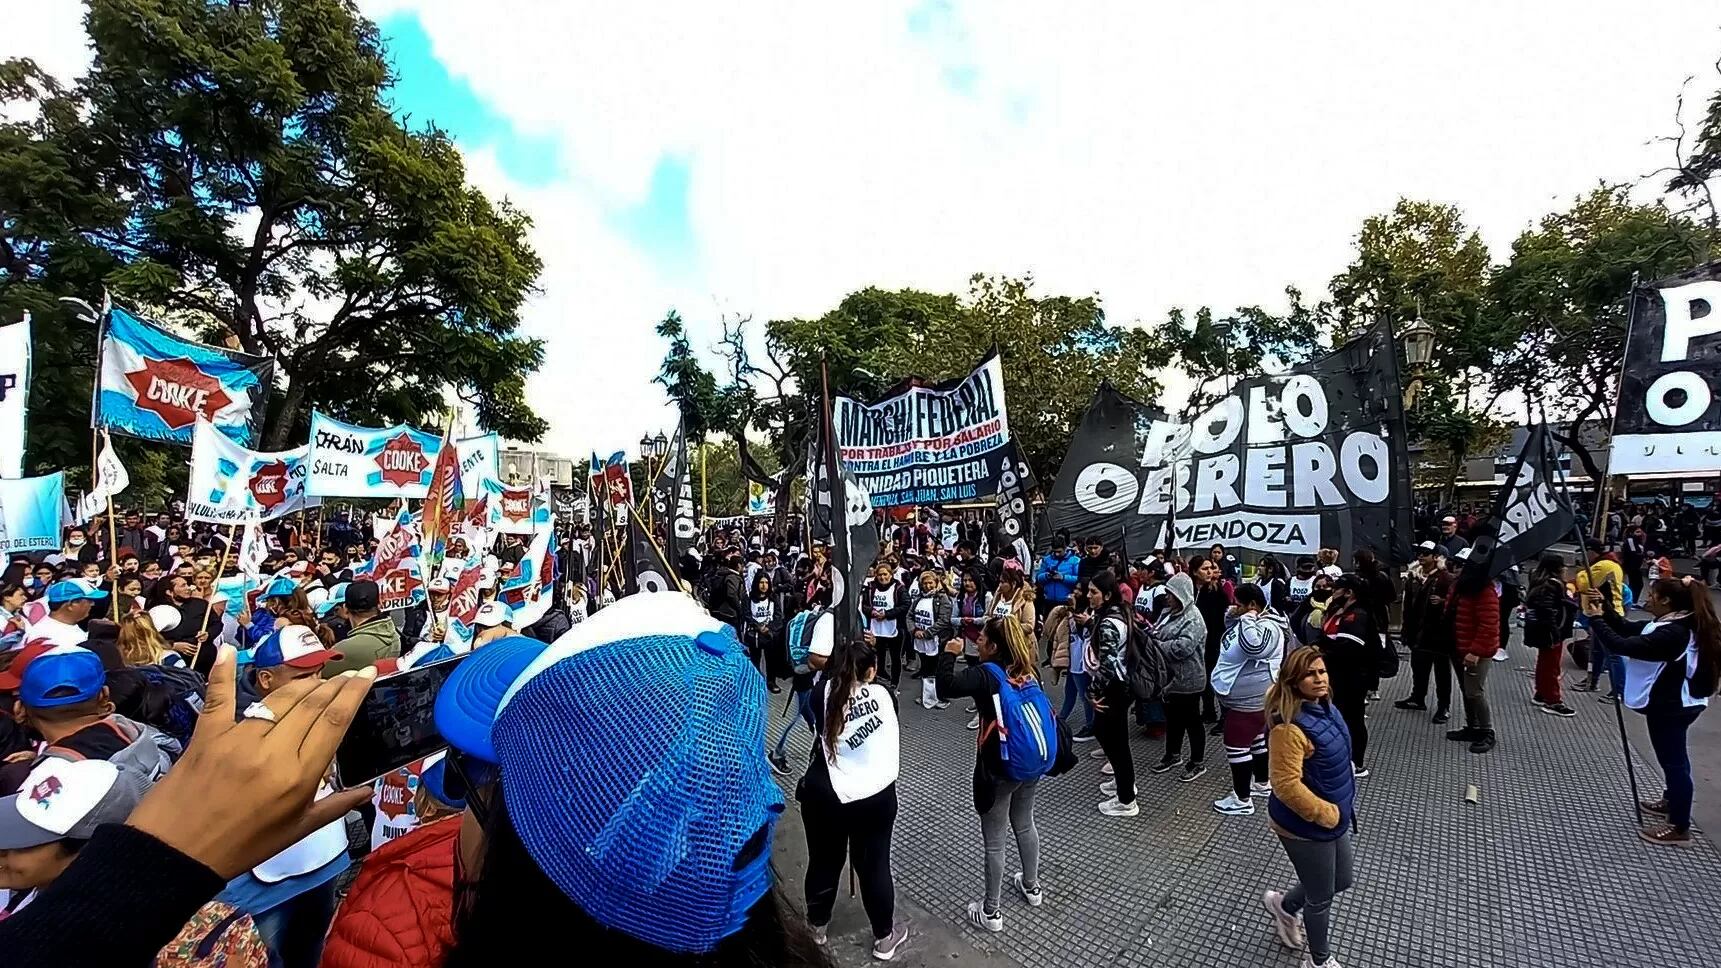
pixel 490 615
pixel 67 800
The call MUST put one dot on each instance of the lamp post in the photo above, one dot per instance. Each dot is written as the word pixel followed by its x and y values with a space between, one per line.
pixel 1418 340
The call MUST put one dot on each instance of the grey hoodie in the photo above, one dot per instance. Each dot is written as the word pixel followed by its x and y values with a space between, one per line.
pixel 1182 638
pixel 1249 658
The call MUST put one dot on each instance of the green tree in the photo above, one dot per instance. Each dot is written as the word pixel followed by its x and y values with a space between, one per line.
pixel 705 407
pixel 1564 293
pixel 265 186
pixel 1697 160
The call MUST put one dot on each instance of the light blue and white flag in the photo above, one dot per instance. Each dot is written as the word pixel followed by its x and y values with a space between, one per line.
pixel 386 462
pixel 32 509
pixel 155 384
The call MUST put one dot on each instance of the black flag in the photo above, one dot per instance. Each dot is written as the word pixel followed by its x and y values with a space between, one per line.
pixel 1532 513
pixel 652 572
pixel 672 500
pixel 1015 514
pixel 853 534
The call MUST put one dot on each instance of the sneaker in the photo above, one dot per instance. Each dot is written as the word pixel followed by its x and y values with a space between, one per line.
pixel 884 949
pixel 1373 696
pixel 1608 700
pixel 1501 656
pixel 776 689
pixel 1097 755
pixel 1331 962
pixel 1193 772
pixel 1109 788
pixel 1288 925
pixel 1559 709
pixel 1440 718
pixel 926 705
pixel 1668 835
pixel 1657 807
pixel 1259 789
pixel 821 934
pixel 1106 769
pixel 1465 735
pixel 1083 735
pixel 1415 704
pixel 1230 806
pixel 978 917
pixel 973 709
pixel 975 722
pixel 1538 701
pixel 1360 772
pixel 941 704
pixel 1484 743
pixel 1034 897
pixel 1584 685
pixel 1163 766
pixel 779 764
pixel 1112 808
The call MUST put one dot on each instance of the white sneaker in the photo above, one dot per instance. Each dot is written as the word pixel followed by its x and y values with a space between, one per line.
pixel 1109 788
pixel 1112 808
pixel 1034 898
pixel 1106 769
pixel 1331 962
pixel 1262 790
pixel 1288 925
pixel 941 704
pixel 1097 755
pixel 884 949
pixel 978 917
pixel 928 705
pixel 1499 656
pixel 1230 806
pixel 975 722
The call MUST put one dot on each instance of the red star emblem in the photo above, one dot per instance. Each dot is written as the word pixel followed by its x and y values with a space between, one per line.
pixel 269 484
pixel 177 391
pixel 401 460
pixel 393 797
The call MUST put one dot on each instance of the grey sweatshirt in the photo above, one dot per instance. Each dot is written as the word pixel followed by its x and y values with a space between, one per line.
pixel 1249 657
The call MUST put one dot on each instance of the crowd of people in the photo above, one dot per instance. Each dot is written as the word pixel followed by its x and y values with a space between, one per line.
pixel 167 784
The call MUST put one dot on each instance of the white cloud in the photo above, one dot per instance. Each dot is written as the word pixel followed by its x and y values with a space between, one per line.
pixel 1160 155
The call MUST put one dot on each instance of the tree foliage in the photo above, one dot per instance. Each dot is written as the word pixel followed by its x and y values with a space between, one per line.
pixel 240 163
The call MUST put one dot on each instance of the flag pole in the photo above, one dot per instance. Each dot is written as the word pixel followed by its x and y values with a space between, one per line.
pixel 1606 483
pixel 1619 703
pixel 220 570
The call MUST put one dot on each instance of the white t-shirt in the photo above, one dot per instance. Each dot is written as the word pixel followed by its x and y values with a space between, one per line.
pixel 924 618
pixel 764 610
pixel 949 535
pixel 869 749
pixel 56 632
pixel 883 599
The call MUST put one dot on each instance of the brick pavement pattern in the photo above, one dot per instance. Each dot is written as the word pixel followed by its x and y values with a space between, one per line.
pixel 1545 870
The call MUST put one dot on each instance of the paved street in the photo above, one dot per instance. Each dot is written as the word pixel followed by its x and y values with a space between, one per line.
pixel 1545 870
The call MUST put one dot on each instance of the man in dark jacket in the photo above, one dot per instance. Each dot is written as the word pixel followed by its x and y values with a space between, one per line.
pixel 1427 631
pixel 728 602
pixel 138 538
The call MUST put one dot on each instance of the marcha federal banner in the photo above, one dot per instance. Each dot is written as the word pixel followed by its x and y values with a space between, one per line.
pixel 1285 464
pixel 1669 413
pixel 928 444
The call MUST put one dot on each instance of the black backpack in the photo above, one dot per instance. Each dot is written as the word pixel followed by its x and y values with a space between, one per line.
pixel 1148 673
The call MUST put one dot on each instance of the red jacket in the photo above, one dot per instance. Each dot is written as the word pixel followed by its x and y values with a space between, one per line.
pixel 399 912
pixel 1476 622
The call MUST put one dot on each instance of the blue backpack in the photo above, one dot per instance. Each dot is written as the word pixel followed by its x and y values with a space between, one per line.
pixel 1027 730
pixel 799 636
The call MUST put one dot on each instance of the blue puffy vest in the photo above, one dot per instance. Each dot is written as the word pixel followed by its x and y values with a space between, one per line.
pixel 1327 773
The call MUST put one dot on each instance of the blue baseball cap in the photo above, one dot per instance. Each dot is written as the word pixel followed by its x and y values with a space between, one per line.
pixel 62 676
pixel 292 645
pixel 337 597
pixel 466 709
pixel 70 590
pixel 669 840
pixel 281 587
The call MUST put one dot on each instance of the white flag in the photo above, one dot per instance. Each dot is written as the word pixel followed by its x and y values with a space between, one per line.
pixel 253 548
pixel 111 479
pixel 14 395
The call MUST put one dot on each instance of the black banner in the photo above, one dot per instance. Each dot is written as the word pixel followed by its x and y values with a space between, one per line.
pixel 1669 413
pixel 1286 464
pixel 652 572
pixel 854 542
pixel 928 443
pixel 1533 512
pixel 1016 486
pixel 672 517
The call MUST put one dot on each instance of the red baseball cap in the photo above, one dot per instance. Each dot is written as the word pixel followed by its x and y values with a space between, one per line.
pixel 13 676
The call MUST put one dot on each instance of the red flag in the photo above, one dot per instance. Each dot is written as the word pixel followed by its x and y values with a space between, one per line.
pixel 442 502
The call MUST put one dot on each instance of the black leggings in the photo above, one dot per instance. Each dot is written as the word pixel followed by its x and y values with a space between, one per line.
pixel 1183 718
pixel 1351 700
pixel 889 649
pixel 1421 665
pixel 1111 728
pixel 860 833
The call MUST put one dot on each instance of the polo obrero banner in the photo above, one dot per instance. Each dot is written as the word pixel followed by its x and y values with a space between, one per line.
pixel 230 483
pixel 386 462
pixel 155 384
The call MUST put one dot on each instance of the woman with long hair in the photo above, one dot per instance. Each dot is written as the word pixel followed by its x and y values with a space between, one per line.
pixel 848 796
pixel 969 614
pixel 1275 585
pixel 885 602
pixel 1064 639
pixel 1311 805
pixel 930 627
pixel 1108 664
pixel 1213 599
pixel 1006 654
pixel 140 643
pixel 1014 597
pixel 1377 595
pixel 763 628
pixel 1672 667
pixel 1547 625
pixel 1474 611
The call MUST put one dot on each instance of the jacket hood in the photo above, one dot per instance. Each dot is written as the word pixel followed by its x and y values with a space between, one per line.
pixel 1182 588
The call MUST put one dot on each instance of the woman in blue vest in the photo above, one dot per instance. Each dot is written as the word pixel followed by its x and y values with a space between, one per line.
pixel 1309 761
pixel 1008 651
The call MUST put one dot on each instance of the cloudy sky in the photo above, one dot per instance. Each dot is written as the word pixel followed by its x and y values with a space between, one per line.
pixel 766 158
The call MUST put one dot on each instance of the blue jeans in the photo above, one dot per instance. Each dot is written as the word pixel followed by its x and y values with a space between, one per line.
pixel 294 929
pixel 803 712
pixel 1667 736
pixel 1076 688
pixel 1601 659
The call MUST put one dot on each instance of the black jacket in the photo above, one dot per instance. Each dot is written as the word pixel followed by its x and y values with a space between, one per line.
pixel 1667 645
pixel 979 684
pixel 1547 614
pixel 729 599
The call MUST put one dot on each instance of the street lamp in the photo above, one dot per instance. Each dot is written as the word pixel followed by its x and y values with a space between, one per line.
pixel 1418 341
pixel 647 448
pixel 662 449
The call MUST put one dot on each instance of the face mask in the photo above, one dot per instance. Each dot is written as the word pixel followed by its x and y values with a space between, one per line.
pixel 75 543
